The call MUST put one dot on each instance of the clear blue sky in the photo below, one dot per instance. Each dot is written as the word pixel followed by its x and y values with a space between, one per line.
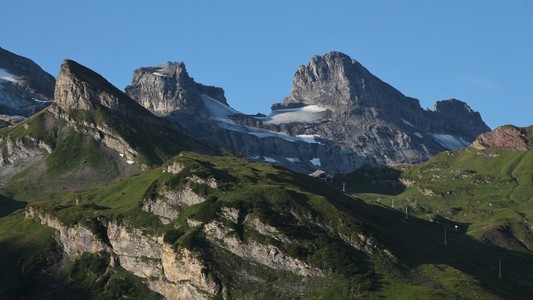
pixel 478 51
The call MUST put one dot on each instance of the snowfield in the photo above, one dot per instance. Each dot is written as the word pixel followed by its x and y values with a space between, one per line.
pixel 6 76
pixel 449 141
pixel 222 114
pixel 220 111
pixel 305 114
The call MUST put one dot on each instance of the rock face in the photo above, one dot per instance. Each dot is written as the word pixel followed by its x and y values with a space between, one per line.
pixel 24 87
pixel 337 117
pixel 79 88
pixel 175 274
pixel 168 88
pixel 505 137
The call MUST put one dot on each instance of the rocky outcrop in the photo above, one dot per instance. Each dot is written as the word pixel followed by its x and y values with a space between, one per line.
pixel 168 88
pixel 175 274
pixel 337 117
pixel 17 149
pixel 505 137
pixel 24 87
pixel 166 202
pixel 267 255
pixel 75 239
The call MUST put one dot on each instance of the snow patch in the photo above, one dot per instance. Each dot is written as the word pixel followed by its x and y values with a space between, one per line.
pixel 305 114
pixel 449 141
pixel 6 76
pixel 159 74
pixel 293 159
pixel 219 110
pixel 309 138
pixel 407 122
pixel 263 133
pixel 315 161
pixel 130 162
pixel 41 100
pixel 121 154
pixel 270 160
pixel 418 134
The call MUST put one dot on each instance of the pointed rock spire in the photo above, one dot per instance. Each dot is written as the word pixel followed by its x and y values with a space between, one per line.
pixel 79 88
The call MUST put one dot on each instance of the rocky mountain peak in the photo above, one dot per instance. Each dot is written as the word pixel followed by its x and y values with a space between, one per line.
pixel 453 106
pixel 339 83
pixel 168 88
pixel 80 88
pixel 24 87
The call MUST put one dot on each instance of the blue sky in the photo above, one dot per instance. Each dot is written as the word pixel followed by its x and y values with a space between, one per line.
pixel 475 50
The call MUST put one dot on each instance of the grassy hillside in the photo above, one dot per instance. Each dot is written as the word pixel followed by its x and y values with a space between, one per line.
pixel 481 200
pixel 79 156
pixel 311 214
pixel 481 196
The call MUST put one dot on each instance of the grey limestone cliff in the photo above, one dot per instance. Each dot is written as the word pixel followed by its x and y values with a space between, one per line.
pixel 168 88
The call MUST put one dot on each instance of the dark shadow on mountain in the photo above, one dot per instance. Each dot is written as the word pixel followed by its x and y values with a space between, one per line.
pixel 419 242
pixel 9 205
pixel 375 179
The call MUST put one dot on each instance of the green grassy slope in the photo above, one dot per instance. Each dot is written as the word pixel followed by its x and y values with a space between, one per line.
pixel 487 194
pixel 483 196
pixel 311 214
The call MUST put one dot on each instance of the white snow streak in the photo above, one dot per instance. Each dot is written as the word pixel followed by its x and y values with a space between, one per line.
pixel 418 134
pixel 41 100
pixel 130 162
pixel 293 159
pixel 159 74
pixel 407 122
pixel 6 76
pixel 449 141
pixel 270 160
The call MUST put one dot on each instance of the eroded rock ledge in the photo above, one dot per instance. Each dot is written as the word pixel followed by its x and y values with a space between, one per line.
pixel 175 274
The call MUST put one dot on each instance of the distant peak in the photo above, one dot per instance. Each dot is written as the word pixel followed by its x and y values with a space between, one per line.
pixel 338 82
pixel 452 105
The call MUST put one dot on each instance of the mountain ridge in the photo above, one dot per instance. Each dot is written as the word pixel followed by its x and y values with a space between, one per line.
pixel 338 117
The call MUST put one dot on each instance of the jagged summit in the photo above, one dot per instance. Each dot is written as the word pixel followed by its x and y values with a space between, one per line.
pixel 168 88
pixel 339 83
pixel 24 87
pixel 80 88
